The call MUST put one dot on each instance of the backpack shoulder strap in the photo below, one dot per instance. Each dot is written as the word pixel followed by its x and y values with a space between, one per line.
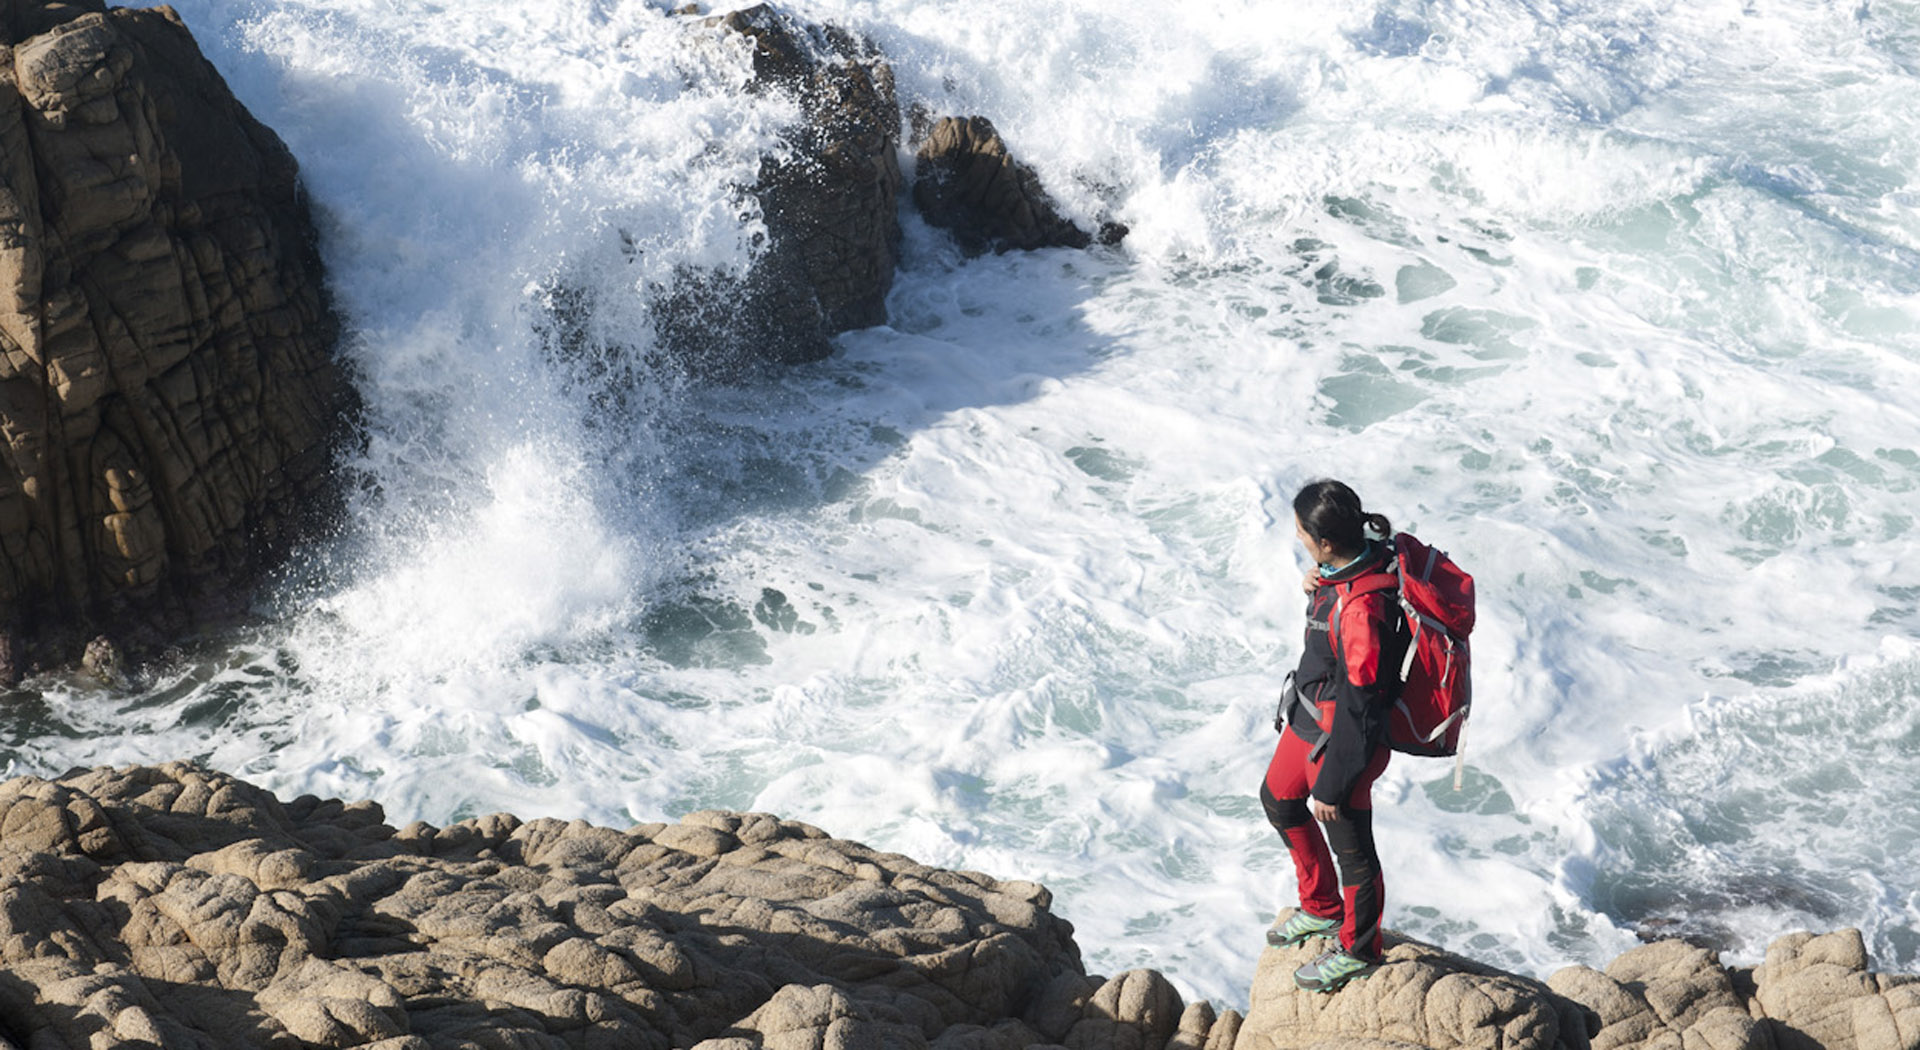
pixel 1388 579
pixel 1373 583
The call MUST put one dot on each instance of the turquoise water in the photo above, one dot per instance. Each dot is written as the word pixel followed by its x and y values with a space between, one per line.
pixel 1616 303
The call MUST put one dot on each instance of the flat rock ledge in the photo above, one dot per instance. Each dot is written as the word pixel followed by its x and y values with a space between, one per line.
pixel 170 906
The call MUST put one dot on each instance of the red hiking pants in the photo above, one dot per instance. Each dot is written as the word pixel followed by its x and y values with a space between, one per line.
pixel 1358 895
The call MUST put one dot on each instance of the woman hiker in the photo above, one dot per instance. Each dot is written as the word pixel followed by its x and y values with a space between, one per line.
pixel 1333 741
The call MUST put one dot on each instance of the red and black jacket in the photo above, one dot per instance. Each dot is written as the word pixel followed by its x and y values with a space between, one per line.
pixel 1344 690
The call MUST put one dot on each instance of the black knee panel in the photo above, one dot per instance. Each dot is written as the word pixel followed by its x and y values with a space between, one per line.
pixel 1284 813
pixel 1351 838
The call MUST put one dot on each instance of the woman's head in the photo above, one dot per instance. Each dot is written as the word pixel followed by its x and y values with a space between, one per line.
pixel 1329 515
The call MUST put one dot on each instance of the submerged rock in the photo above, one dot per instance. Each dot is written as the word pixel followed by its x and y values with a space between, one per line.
pixel 167 386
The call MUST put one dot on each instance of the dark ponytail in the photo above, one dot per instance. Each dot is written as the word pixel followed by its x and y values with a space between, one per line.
pixel 1330 512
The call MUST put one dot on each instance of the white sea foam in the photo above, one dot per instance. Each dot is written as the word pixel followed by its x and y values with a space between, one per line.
pixel 1617 303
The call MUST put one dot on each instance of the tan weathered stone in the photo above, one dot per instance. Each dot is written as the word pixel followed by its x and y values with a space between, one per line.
pixel 167 387
pixel 1138 1008
pixel 1667 993
pixel 1420 996
pixel 174 906
pixel 1225 1033
pixel 1816 991
pixel 1195 1022
pixel 314 923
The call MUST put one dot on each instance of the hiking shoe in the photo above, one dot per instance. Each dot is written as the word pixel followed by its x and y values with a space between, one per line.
pixel 1332 970
pixel 1300 926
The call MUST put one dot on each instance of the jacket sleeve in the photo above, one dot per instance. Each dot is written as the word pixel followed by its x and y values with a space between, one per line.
pixel 1361 693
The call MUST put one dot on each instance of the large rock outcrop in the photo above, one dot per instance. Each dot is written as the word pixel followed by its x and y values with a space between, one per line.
pixel 170 906
pixel 828 201
pixel 167 387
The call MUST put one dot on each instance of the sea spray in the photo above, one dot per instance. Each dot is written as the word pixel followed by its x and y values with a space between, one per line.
pixel 1615 305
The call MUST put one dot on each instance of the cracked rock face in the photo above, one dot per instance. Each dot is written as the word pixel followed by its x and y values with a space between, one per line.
pixel 1666 993
pixel 174 907
pixel 1817 991
pixel 167 387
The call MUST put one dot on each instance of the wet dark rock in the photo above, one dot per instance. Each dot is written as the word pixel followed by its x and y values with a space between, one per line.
pixel 967 182
pixel 9 659
pixel 102 660
pixel 828 203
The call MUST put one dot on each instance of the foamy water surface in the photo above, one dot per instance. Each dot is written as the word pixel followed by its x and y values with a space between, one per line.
pixel 1614 302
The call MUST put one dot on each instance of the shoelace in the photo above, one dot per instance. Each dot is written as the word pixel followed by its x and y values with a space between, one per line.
pixel 1352 961
pixel 1304 924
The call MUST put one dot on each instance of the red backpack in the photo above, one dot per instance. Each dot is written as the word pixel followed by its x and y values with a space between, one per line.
pixel 1436 690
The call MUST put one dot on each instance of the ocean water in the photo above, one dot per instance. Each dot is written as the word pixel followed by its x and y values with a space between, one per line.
pixel 1618 303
